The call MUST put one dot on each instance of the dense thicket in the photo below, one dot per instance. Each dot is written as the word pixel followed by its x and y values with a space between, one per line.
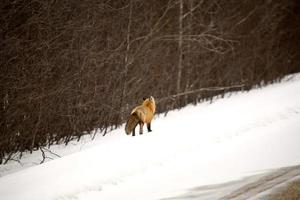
pixel 69 67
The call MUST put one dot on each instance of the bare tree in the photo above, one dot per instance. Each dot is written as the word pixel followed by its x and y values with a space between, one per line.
pixel 70 68
pixel 180 46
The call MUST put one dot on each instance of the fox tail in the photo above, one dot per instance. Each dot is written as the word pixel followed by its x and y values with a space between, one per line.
pixel 132 122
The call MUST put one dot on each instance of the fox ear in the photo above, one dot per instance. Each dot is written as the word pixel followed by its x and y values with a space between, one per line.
pixel 144 98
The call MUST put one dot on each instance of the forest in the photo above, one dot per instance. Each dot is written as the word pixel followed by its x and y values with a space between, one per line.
pixel 69 68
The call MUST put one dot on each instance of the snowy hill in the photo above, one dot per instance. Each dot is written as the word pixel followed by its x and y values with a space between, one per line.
pixel 235 137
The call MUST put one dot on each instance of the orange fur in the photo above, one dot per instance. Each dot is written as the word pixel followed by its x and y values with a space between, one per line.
pixel 140 115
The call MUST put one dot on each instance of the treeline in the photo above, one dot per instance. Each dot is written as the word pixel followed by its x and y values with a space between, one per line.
pixel 69 67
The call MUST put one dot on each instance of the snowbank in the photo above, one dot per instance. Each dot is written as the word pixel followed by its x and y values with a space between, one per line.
pixel 232 138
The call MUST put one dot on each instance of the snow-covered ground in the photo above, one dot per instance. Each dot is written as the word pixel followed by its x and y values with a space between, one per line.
pixel 241 135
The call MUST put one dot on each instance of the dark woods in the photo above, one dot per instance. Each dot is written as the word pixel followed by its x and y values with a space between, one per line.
pixel 69 67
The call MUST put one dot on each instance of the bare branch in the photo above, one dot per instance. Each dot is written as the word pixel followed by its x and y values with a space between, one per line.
pixel 173 97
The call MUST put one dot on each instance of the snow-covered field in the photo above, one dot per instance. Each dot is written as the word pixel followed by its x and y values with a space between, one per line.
pixel 235 137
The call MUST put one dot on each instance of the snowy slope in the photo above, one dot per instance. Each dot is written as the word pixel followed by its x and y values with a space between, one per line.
pixel 240 135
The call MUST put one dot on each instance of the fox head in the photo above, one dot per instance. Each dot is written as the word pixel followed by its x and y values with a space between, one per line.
pixel 151 98
pixel 150 102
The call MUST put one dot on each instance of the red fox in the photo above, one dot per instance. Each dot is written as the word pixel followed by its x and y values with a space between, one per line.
pixel 140 115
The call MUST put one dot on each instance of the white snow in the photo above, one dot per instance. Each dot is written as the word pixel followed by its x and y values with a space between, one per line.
pixel 234 137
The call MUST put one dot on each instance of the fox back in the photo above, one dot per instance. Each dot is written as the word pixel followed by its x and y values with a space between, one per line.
pixel 141 114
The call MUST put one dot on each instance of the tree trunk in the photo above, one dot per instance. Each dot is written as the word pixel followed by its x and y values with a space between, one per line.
pixel 126 63
pixel 180 47
pixel 189 58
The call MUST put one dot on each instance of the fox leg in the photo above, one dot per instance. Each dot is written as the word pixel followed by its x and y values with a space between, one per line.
pixel 141 127
pixel 149 127
pixel 133 132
